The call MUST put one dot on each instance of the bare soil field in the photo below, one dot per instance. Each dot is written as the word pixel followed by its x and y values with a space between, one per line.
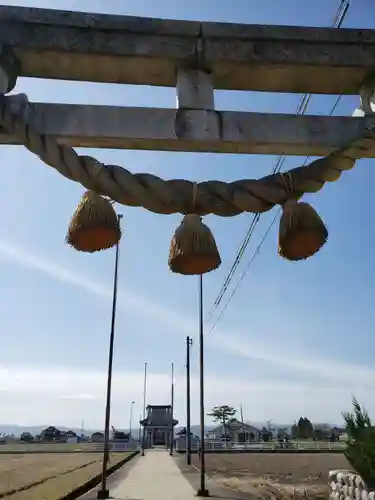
pixel 50 447
pixel 274 475
pixel 48 476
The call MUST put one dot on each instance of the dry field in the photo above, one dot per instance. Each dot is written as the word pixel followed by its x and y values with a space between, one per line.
pixel 50 447
pixel 47 476
pixel 274 476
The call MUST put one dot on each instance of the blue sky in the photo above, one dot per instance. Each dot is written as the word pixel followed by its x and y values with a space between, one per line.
pixel 297 333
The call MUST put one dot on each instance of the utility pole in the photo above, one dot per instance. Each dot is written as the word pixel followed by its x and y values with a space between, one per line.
pixel 189 342
pixel 172 408
pixel 243 428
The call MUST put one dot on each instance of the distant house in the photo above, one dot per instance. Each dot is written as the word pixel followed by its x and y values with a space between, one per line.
pixel 71 434
pixel 236 431
pixel 51 433
pixel 183 432
pixel 71 437
pixel 266 434
pixel 118 435
pixel 97 437
pixel 27 437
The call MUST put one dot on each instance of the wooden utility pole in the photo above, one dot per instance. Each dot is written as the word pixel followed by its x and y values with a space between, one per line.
pixel 243 428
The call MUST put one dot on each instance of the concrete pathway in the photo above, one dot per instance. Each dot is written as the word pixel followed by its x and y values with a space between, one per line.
pixel 154 477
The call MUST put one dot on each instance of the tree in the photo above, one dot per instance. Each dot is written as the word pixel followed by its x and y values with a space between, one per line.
pixel 360 450
pixel 222 414
pixel 294 431
pixel 305 428
pixel 322 432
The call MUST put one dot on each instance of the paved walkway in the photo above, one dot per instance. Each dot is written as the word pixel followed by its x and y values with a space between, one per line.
pixel 154 477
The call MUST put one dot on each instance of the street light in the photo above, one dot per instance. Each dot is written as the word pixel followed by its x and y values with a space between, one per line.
pixel 131 418
pixel 103 492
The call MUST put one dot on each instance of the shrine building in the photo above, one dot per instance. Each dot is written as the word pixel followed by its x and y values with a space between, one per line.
pixel 158 426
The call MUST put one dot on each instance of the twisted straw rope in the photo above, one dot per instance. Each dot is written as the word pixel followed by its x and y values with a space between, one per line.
pixel 176 195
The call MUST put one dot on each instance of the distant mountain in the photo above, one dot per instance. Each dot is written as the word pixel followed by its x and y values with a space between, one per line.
pixel 17 430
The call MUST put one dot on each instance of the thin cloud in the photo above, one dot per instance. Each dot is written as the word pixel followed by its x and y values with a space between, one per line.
pixel 235 343
pixel 86 397
pixel 68 395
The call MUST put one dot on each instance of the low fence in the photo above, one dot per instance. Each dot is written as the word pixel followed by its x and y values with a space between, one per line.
pixel 213 445
pixel 275 445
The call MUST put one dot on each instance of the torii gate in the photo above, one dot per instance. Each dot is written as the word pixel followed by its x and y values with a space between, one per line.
pixel 194 57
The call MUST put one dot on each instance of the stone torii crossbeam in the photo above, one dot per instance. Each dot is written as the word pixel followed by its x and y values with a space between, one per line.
pixel 195 58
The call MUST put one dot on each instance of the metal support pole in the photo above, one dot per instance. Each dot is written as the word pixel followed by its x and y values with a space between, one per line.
pixel 202 491
pixel 131 418
pixel 189 342
pixel 144 411
pixel 140 428
pixel 103 492
pixel 172 408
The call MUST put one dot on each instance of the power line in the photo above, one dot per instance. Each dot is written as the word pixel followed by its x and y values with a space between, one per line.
pixel 300 110
pixel 338 20
pixel 257 250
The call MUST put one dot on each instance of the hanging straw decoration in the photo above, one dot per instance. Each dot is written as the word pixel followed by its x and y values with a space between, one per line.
pixel 94 225
pixel 302 232
pixel 193 248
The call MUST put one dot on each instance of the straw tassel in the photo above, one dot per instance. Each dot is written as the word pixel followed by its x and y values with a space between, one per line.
pixel 94 225
pixel 302 232
pixel 193 249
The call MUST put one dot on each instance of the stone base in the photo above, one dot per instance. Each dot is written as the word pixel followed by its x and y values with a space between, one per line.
pixel 202 493
pixel 102 494
pixel 347 485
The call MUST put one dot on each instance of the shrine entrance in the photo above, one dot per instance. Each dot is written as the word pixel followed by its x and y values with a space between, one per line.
pixel 158 426
pixel 159 437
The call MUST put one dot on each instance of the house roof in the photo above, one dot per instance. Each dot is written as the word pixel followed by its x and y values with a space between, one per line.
pixel 155 422
pixel 159 406
pixel 237 425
